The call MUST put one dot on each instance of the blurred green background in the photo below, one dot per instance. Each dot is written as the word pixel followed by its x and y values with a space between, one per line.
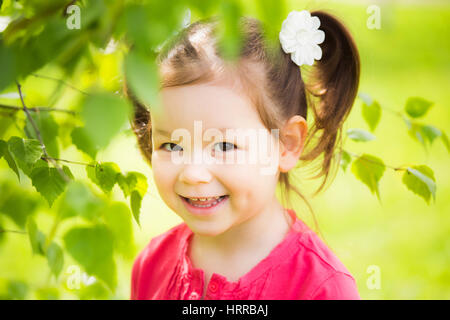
pixel 405 239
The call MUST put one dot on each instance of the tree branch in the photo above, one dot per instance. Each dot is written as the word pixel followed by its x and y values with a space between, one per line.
pixel 12 231
pixel 38 109
pixel 61 81
pixel 369 160
pixel 69 161
pixel 38 134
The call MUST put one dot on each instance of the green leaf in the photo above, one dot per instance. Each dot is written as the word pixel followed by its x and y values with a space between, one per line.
pixel 346 158
pixel 272 14
pixel 134 184
pixel 421 181
pixel 49 182
pixel 142 77
pixel 17 290
pixel 417 107
pixel 17 203
pixel 48 128
pixel 366 98
pixel 106 174
pixel 371 114
pixel 230 38
pixel 82 141
pixel 132 181
pixel 25 150
pixel 445 140
pixel 55 258
pixel 47 294
pixel 80 201
pixel 90 171
pixel 360 135
pixel 117 217
pixel 425 134
pixel 429 133
pixel 135 201
pixel 4 152
pixel 104 116
pixel 36 237
pixel 92 247
pixel 369 169
pixel 7 65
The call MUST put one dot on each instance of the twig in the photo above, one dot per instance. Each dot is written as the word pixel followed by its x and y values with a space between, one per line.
pixel 38 134
pixel 38 109
pixel 69 161
pixel 12 231
pixel 61 81
pixel 374 162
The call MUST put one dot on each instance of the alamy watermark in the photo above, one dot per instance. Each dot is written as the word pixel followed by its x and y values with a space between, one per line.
pixel 374 280
pixel 254 146
pixel 74 19
pixel 374 20
pixel 75 278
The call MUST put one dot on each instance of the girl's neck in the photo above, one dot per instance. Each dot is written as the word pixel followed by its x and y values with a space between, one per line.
pixel 248 243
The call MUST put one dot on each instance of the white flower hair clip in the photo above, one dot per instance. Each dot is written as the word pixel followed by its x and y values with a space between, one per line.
pixel 300 36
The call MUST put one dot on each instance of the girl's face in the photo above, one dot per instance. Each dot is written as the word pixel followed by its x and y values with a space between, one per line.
pixel 201 114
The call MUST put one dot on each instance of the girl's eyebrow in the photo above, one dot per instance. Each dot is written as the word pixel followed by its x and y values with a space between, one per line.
pixel 166 133
pixel 162 132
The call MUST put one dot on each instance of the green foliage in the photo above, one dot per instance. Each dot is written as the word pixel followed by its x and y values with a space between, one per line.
pixel 87 81
pixel 104 175
pixel 104 115
pixel 117 218
pixel 142 78
pixel 417 107
pixel 421 181
pixel 80 139
pixel 4 152
pixel 92 247
pixel 346 159
pixel 37 238
pixel 79 200
pixel 26 152
pixel 360 135
pixel 133 184
pixel 230 39
pixel 17 204
pixel 50 182
pixel 369 169
pixel 55 258
pixel 48 129
pixel 17 290
pixel 371 111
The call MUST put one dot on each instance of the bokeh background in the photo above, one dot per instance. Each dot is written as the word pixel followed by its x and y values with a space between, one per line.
pixel 401 236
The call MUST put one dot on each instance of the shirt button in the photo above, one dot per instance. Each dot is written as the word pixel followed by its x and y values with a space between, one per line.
pixel 193 296
pixel 213 286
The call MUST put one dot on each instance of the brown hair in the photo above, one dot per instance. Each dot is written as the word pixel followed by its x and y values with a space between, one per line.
pixel 273 82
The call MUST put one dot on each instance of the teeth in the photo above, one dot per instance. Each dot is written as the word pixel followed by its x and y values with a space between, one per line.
pixel 204 199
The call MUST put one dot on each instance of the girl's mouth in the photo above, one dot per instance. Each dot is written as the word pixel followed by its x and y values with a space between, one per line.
pixel 204 206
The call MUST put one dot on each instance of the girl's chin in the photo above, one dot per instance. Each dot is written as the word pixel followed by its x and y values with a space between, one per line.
pixel 205 229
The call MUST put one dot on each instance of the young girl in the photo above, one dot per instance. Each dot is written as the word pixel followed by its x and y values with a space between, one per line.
pixel 237 241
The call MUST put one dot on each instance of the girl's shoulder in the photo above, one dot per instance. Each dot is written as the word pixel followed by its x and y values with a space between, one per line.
pixel 168 243
pixel 311 247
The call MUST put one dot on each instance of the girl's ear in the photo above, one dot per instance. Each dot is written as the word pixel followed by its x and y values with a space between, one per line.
pixel 292 140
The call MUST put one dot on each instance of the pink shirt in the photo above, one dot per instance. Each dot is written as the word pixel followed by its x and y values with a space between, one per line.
pixel 299 267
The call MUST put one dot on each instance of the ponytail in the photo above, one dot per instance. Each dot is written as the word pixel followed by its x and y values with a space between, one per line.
pixel 333 88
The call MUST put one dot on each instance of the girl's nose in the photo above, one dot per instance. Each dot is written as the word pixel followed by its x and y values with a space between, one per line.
pixel 194 174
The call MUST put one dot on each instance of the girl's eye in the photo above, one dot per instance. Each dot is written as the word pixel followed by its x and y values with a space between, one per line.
pixel 177 147
pixel 225 146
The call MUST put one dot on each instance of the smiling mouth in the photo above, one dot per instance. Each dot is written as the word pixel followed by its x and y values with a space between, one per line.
pixel 204 202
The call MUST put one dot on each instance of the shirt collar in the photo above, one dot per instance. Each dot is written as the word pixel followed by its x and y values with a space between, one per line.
pixel 278 254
